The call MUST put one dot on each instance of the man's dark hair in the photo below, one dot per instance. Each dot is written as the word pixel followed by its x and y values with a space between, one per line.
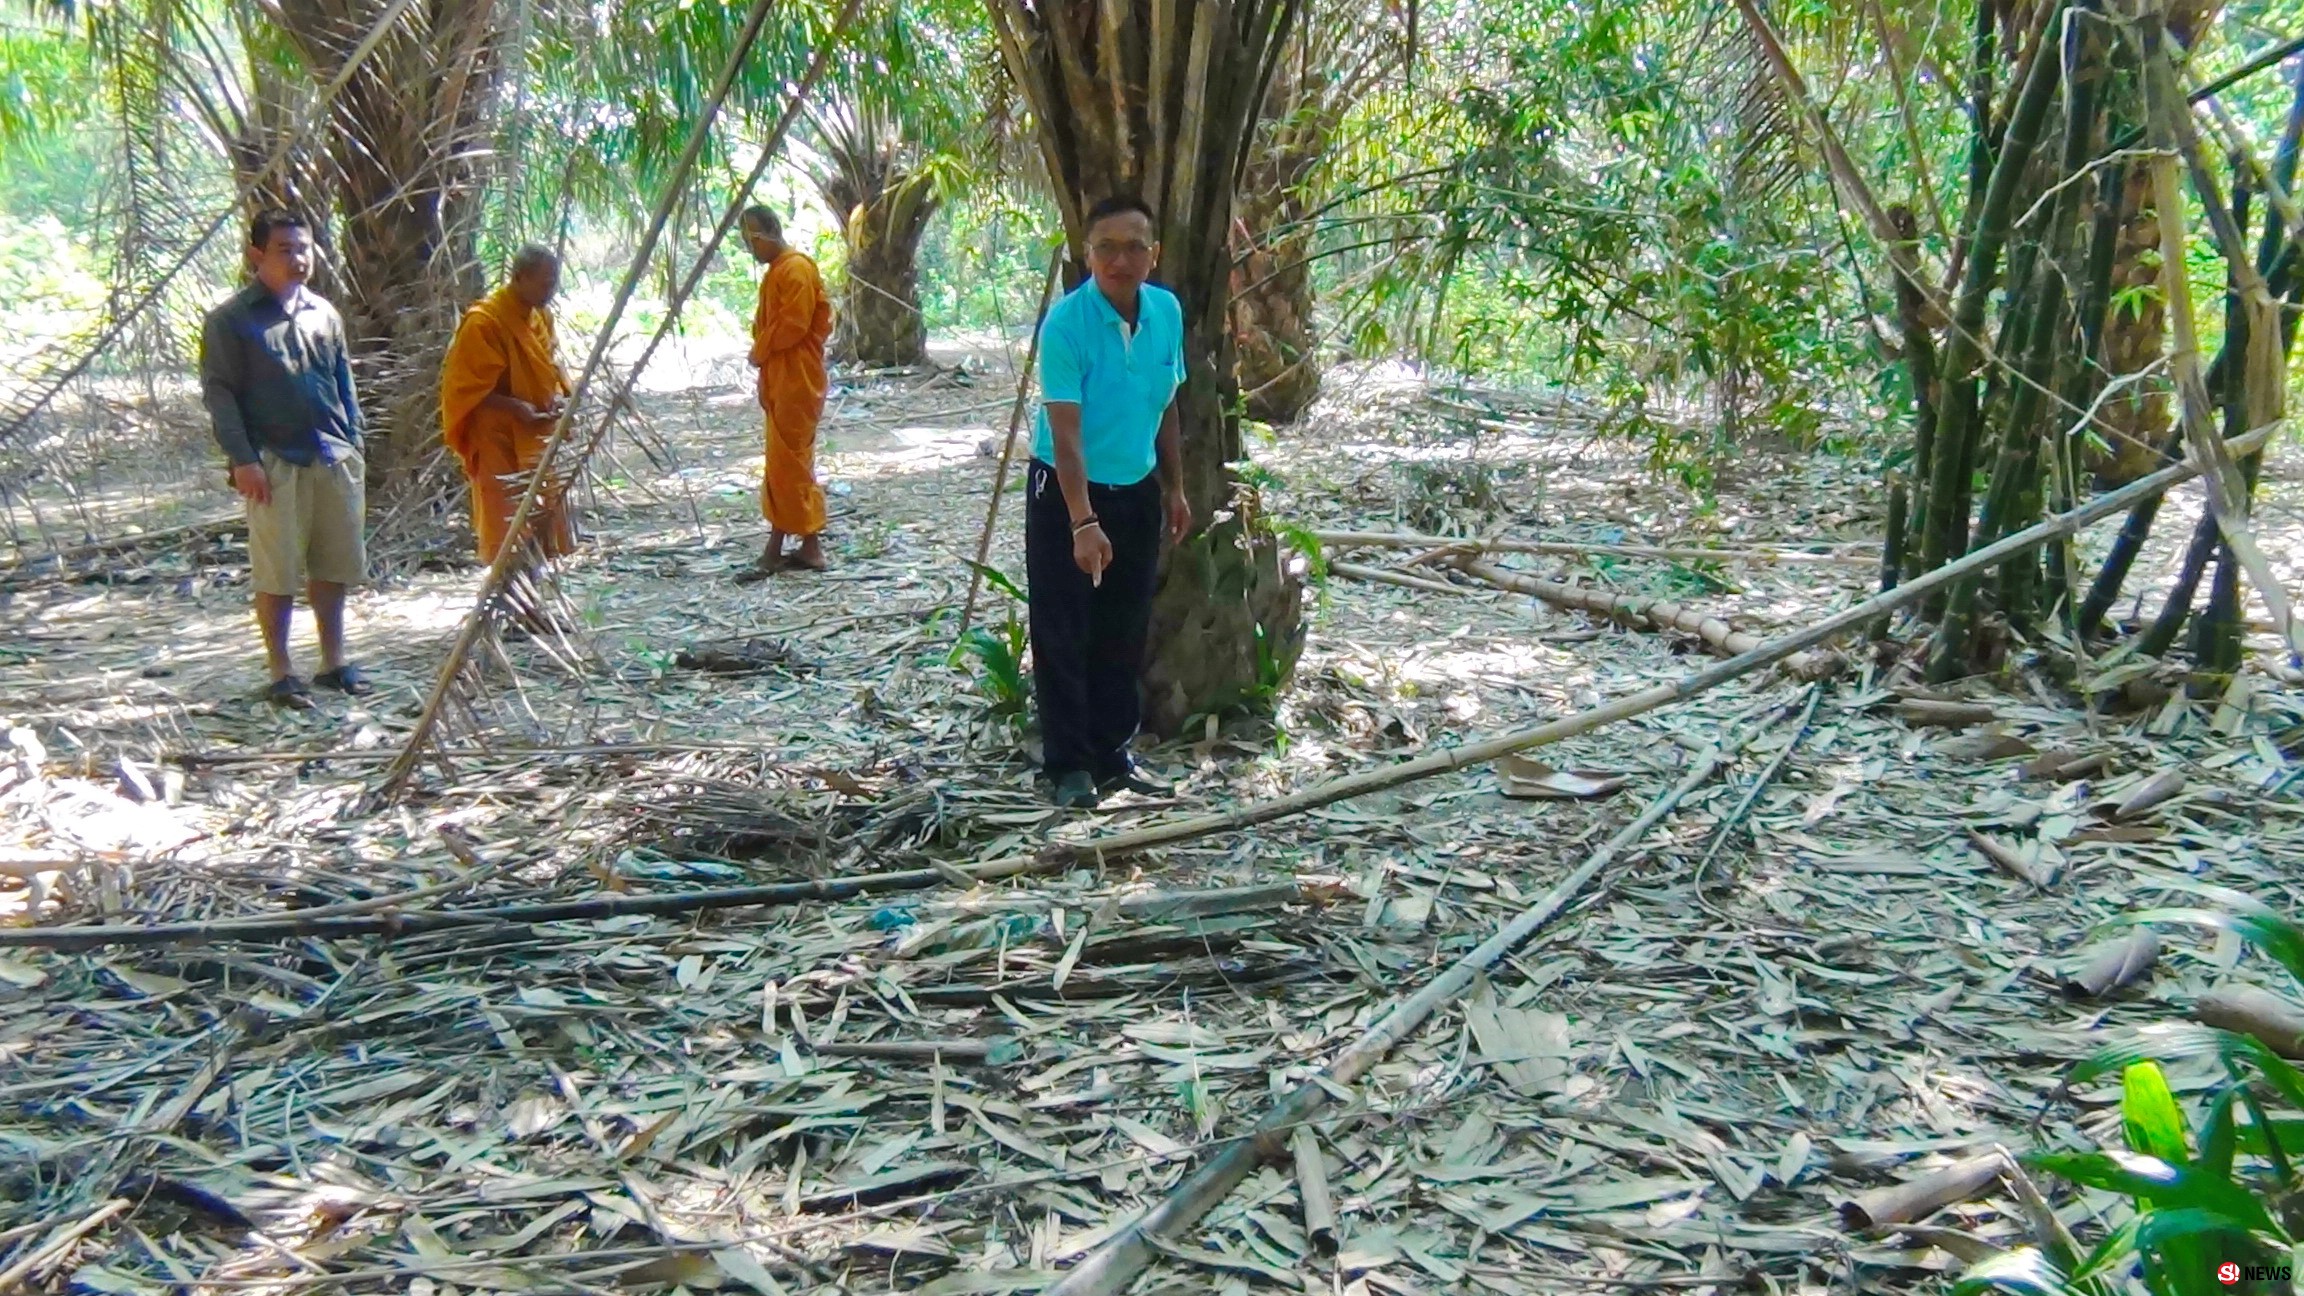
pixel 1120 205
pixel 763 222
pixel 274 218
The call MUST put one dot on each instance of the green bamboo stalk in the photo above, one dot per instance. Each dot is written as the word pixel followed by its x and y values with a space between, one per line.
pixel 2216 639
pixel 2086 122
pixel 2104 591
pixel 2232 371
pixel 2228 488
pixel 1892 551
pixel 2035 322
pixel 1957 430
pixel 2161 634
pixel 2228 375
pixel 2216 635
pixel 1983 60
pixel 2276 262
pixel 2103 251
pixel 1920 372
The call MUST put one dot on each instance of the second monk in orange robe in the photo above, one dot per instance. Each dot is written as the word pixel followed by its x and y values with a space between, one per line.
pixel 788 333
pixel 501 392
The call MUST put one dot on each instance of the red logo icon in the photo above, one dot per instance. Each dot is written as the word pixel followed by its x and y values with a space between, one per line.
pixel 2228 1273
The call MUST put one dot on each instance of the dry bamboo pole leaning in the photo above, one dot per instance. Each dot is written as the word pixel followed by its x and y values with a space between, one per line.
pixel 1569 549
pixel 1008 446
pixel 508 555
pixel 1641 613
pixel 1110 1267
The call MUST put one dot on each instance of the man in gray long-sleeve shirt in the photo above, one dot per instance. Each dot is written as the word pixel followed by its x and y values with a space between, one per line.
pixel 276 376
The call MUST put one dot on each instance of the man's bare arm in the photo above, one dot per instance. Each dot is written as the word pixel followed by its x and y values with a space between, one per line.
pixel 1171 443
pixel 1071 460
pixel 1175 505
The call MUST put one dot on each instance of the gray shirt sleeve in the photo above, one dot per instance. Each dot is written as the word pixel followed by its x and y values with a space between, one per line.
pixel 344 387
pixel 221 377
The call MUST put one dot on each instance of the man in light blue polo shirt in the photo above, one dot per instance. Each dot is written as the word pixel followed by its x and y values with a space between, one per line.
pixel 1106 479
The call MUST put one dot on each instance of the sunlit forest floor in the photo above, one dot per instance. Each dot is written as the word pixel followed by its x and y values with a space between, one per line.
pixel 1810 982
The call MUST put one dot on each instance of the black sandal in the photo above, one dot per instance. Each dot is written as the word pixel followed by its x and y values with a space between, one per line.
pixel 290 692
pixel 346 679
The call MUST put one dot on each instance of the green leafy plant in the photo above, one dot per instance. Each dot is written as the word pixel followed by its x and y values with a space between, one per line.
pixel 658 662
pixel 1700 577
pixel 1302 540
pixel 994 653
pixel 2215 1211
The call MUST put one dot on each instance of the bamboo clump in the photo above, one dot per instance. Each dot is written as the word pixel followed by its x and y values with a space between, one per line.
pixel 2022 365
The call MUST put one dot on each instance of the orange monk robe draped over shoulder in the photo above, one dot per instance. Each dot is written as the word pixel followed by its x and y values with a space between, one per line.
pixel 788 332
pixel 503 346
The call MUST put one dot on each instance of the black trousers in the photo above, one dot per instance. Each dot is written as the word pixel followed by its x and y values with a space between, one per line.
pixel 1088 639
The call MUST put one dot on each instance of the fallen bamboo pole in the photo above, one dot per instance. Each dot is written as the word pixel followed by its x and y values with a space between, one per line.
pixel 18 567
pixel 1646 614
pixel 1059 856
pixel 1448 545
pixel 1109 1268
pixel 502 755
pixel 1008 444
pixel 1379 576
pixel 389 923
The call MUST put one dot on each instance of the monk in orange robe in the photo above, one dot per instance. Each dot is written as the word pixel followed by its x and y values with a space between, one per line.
pixel 788 333
pixel 501 392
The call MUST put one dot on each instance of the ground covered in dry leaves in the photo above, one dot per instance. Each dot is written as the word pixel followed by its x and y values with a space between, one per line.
pixel 1822 974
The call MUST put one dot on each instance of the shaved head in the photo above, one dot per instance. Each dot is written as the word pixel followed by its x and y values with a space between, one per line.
pixel 763 233
pixel 760 220
pixel 536 275
pixel 534 257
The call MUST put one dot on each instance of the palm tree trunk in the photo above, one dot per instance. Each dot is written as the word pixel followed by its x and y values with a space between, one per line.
pixel 1279 374
pixel 410 124
pixel 1162 100
pixel 880 323
pixel 1335 59
pixel 304 184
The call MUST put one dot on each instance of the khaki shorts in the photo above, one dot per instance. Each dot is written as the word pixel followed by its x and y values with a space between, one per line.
pixel 313 528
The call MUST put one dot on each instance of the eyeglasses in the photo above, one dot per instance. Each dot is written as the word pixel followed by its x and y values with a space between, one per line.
pixel 1115 250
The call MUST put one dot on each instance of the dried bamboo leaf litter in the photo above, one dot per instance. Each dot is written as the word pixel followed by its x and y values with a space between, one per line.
pixel 968 1090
